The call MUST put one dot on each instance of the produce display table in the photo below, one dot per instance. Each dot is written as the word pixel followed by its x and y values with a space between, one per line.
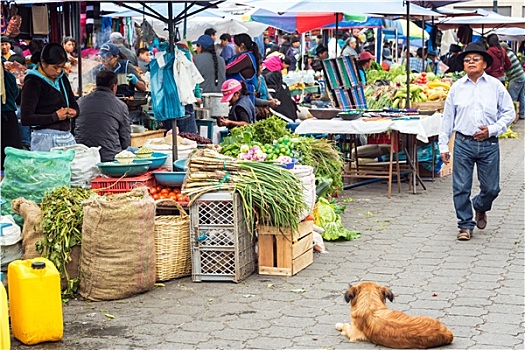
pixel 313 89
pixel 138 139
pixel 414 129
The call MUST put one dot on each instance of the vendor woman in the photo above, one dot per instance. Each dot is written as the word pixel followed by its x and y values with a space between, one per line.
pixel 48 103
pixel 242 110
pixel 114 60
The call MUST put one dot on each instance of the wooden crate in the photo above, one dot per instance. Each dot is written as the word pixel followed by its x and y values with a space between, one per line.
pixel 429 105
pixel 138 139
pixel 285 253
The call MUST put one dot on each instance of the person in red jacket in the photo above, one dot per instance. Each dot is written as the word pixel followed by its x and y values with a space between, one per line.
pixel 501 61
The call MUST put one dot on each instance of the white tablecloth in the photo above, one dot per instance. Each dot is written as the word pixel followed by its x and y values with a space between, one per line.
pixel 423 128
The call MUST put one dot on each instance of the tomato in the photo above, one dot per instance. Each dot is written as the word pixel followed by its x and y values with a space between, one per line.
pixel 179 197
pixel 152 190
pixel 159 188
pixel 164 191
pixel 176 190
pixel 172 195
pixel 156 196
pixel 186 198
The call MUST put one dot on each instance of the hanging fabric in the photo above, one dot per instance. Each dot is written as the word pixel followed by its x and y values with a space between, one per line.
pixel 40 19
pixel 164 95
pixel 15 22
pixel 187 76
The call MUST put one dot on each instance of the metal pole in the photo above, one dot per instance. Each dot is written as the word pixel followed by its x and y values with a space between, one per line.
pixel 407 34
pixel 78 48
pixel 495 6
pixel 336 32
pixel 423 42
pixel 172 50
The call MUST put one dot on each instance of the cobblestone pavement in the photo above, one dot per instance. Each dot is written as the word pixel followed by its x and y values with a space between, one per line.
pixel 408 243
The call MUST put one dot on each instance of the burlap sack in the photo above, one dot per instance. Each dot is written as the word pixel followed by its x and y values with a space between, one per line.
pixel 32 229
pixel 118 245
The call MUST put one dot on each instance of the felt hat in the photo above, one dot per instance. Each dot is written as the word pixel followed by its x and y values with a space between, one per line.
pixel 387 53
pixel 476 47
pixel 455 48
pixel 108 50
pixel 229 88
pixel 205 41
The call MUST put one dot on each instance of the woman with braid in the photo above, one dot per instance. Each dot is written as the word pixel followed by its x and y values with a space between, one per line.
pixel 244 66
pixel 211 66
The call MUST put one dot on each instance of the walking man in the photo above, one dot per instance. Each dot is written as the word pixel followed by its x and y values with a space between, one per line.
pixel 478 108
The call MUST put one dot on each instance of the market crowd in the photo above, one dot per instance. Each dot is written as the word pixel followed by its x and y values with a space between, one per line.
pixel 40 109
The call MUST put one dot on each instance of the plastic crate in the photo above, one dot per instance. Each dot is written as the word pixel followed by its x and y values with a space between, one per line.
pixel 222 247
pixel 108 185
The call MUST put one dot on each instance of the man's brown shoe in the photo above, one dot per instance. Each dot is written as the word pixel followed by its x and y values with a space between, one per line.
pixel 481 219
pixel 464 234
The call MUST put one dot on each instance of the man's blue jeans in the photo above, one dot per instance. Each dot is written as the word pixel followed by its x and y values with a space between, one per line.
pixel 517 92
pixel 485 155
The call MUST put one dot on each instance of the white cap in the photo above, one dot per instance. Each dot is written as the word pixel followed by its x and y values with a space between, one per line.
pixel 116 38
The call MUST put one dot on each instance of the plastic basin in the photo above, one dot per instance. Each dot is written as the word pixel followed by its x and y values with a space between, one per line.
pixel 170 178
pixel 180 164
pixel 157 159
pixel 114 169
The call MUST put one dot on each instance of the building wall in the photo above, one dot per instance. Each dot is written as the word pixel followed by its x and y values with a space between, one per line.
pixel 512 8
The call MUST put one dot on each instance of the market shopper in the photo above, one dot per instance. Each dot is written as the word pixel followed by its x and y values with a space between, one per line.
pixel 113 60
pixel 364 61
pixel 478 108
pixel 349 47
pixel 451 59
pixel 321 53
pixel 228 49
pixel 48 103
pixel 516 78
pixel 242 110
pixel 69 44
pixel 9 92
pixel 501 61
pixel 272 67
pixel 117 39
pixel 143 59
pixel 210 65
pixel 244 66
pixel 103 120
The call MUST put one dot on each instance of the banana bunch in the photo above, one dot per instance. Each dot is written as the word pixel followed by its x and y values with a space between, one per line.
pixel 437 90
pixel 509 134
pixel 417 94
pixel 297 86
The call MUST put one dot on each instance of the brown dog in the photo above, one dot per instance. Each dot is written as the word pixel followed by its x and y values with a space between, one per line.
pixel 373 322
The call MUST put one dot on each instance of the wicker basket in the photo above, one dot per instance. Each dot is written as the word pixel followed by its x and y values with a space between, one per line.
pixel 172 243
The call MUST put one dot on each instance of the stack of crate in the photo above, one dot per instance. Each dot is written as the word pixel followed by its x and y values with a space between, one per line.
pixel 222 247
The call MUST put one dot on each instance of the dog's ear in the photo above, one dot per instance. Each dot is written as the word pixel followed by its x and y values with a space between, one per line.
pixel 387 293
pixel 350 293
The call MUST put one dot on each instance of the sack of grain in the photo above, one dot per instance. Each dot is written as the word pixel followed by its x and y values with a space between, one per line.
pixel 118 245
pixel 32 229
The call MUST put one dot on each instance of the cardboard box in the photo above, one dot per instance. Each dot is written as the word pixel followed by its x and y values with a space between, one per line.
pixel 285 253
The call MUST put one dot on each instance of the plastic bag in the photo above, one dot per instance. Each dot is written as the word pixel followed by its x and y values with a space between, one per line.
pixel 84 166
pixel 29 174
pixel 326 217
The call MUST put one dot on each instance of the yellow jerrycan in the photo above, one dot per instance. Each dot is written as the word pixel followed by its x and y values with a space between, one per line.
pixel 5 337
pixel 35 303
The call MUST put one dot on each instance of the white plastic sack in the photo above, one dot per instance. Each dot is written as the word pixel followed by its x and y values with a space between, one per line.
pixel 306 174
pixel 84 166
pixel 163 145
pixel 10 241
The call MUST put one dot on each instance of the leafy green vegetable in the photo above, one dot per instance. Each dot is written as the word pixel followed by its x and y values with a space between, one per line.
pixel 327 218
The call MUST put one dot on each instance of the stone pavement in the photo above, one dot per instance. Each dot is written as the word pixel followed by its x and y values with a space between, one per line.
pixel 408 243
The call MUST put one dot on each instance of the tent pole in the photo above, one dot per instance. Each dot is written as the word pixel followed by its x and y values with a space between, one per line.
pixel 423 41
pixel 336 32
pixel 172 50
pixel 408 54
pixel 78 48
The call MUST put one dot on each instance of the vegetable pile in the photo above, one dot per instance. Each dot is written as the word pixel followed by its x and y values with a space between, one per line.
pixel 270 140
pixel 270 194
pixel 62 216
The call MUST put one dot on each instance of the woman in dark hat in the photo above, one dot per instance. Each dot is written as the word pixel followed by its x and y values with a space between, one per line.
pixel 479 109
pixel 451 59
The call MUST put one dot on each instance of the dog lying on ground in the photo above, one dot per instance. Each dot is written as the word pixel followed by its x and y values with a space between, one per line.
pixel 372 321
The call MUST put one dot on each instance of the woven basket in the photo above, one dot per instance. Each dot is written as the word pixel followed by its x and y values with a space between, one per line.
pixel 172 243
